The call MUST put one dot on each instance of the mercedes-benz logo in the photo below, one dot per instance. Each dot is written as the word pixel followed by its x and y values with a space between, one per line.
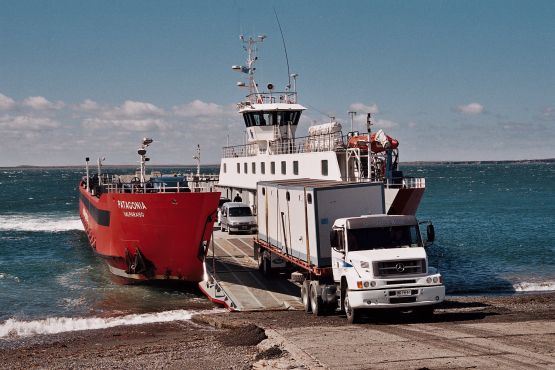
pixel 400 267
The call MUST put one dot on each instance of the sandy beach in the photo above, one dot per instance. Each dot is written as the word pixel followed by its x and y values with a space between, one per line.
pixel 515 331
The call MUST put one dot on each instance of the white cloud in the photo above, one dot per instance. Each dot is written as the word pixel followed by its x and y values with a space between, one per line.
pixel 198 108
pixel 472 108
pixel 88 105
pixel 384 123
pixel 361 108
pixel 126 124
pixel 40 102
pixel 22 123
pixel 132 108
pixel 6 103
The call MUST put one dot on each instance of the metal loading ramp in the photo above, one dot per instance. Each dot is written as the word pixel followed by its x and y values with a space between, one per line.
pixel 233 280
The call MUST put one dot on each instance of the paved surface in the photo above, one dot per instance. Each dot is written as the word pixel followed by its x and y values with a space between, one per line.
pixel 239 283
pixel 521 345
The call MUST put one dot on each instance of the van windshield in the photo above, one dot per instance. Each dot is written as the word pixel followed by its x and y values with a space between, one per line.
pixel 240 211
pixel 383 237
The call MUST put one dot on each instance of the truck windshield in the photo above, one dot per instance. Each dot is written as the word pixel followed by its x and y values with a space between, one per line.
pixel 382 238
pixel 240 211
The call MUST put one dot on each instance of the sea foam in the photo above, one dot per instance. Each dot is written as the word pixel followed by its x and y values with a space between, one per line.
pixel 543 286
pixel 53 325
pixel 41 223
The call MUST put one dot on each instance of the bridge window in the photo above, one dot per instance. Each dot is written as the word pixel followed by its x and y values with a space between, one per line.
pixel 253 167
pixel 283 167
pixel 263 167
pixel 225 167
pixel 295 167
pixel 324 167
pixel 280 118
pixel 246 167
pixel 273 168
pixel 238 167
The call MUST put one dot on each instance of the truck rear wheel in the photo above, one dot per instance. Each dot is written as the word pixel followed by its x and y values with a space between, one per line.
pixel 260 258
pixel 305 296
pixel 266 265
pixel 316 303
pixel 351 313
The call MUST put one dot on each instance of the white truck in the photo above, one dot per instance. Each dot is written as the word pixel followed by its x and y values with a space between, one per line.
pixel 351 254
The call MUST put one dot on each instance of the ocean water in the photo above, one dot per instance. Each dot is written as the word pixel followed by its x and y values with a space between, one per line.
pixel 495 233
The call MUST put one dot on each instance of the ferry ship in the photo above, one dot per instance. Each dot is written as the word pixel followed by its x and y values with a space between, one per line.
pixel 273 152
pixel 149 226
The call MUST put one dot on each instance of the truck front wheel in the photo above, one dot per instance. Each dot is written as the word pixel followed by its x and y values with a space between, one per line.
pixel 351 313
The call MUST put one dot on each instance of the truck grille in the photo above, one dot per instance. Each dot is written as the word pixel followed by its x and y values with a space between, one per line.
pixel 400 268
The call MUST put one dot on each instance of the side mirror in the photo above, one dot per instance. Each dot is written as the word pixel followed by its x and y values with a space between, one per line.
pixel 431 233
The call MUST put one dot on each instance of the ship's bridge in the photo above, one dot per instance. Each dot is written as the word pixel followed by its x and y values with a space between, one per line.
pixel 268 120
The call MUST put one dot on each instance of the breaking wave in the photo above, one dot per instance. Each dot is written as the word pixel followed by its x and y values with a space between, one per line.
pixel 544 286
pixel 53 325
pixel 41 223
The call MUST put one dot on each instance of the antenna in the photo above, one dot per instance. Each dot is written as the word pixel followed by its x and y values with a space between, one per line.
pixel 284 49
pixel 250 46
pixel 352 114
pixel 197 158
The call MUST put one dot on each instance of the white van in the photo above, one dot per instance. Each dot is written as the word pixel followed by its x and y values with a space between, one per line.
pixel 237 217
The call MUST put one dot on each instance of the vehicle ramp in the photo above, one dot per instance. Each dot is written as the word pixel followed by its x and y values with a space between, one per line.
pixel 233 280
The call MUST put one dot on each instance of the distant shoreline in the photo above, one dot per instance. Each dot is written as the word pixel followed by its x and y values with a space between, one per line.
pixel 411 163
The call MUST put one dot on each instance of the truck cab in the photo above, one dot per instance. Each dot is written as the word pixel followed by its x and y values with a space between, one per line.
pixel 380 261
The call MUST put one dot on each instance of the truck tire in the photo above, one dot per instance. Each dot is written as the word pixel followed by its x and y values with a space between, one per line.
pixel 266 266
pixel 351 313
pixel 305 296
pixel 222 228
pixel 260 259
pixel 316 303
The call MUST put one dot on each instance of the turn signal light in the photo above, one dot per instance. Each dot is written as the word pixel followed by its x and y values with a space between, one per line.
pixel 359 284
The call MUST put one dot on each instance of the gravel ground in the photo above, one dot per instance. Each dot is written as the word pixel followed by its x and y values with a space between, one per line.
pixel 234 340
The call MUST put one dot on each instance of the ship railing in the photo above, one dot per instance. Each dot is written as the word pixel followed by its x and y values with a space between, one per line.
pixel 304 144
pixel 284 97
pixel 144 188
pixel 405 183
pixel 131 184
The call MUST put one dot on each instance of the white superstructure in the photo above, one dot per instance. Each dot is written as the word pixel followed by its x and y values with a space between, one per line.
pixel 273 152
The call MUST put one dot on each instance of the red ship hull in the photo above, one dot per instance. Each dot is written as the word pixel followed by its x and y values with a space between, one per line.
pixel 150 236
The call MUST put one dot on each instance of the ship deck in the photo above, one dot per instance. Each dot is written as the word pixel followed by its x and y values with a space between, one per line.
pixel 233 280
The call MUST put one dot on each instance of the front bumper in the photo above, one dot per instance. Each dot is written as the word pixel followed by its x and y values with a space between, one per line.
pixel 243 228
pixel 419 296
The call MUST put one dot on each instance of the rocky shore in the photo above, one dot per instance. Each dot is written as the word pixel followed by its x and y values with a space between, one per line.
pixel 278 339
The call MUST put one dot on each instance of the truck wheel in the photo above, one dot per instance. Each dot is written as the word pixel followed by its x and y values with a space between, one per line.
pixel 316 303
pixel 260 259
pixel 266 266
pixel 222 228
pixel 350 312
pixel 305 297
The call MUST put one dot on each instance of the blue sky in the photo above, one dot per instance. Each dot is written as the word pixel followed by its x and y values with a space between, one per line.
pixel 452 80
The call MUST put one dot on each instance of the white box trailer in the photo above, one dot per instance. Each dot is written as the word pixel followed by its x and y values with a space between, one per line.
pixel 352 255
pixel 296 216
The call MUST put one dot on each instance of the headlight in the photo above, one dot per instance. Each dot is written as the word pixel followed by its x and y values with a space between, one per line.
pixel 429 280
pixel 372 283
pixel 366 284
pixel 435 279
